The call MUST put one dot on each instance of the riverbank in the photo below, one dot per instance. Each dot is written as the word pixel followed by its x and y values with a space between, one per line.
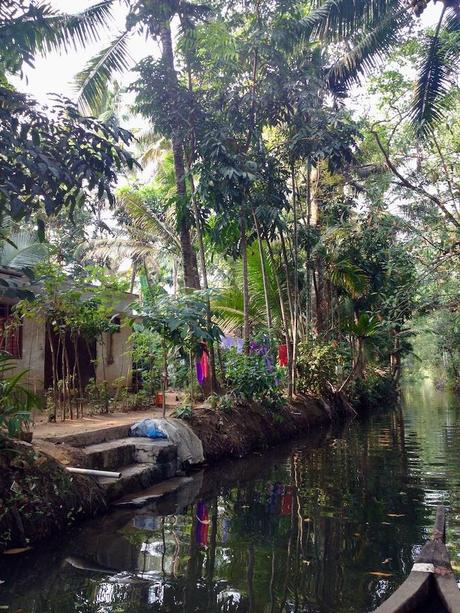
pixel 39 497
pixel 250 427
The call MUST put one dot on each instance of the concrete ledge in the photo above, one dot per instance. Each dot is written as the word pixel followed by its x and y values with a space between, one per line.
pixel 92 437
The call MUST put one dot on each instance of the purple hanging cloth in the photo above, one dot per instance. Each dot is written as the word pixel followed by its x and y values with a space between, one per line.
pixel 199 372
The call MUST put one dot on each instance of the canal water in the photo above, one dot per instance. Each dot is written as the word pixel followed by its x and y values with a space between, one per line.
pixel 329 524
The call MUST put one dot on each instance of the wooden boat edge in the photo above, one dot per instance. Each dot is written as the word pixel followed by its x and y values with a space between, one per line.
pixel 431 571
pixel 448 592
pixel 415 589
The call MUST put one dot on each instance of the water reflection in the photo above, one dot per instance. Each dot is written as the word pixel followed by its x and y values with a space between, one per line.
pixel 330 524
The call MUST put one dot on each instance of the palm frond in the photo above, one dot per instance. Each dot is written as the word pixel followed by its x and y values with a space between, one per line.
pixel 73 31
pixel 119 248
pixel 144 217
pixel 346 275
pixel 93 80
pixel 433 80
pixel 228 310
pixel 228 305
pixel 337 19
pixel 23 250
pixel 367 51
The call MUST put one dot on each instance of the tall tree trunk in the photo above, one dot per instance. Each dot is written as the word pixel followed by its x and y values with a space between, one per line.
pixel 214 387
pixel 244 257
pixel 295 323
pixel 264 273
pixel 308 280
pixel 283 317
pixel 395 355
pixel 322 302
pixel 287 275
pixel 189 261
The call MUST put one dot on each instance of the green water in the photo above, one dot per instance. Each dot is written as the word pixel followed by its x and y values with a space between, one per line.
pixel 330 523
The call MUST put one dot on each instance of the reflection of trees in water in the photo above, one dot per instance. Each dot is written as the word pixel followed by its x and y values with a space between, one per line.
pixel 345 491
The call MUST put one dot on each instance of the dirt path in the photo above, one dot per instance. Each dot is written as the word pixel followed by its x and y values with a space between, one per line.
pixel 45 429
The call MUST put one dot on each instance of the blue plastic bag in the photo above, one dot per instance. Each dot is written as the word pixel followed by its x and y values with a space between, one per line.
pixel 147 427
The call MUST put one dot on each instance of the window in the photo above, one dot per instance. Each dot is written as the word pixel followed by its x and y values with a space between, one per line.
pixel 10 333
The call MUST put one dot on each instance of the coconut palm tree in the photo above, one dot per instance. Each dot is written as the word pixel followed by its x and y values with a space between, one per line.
pixel 154 19
pixel 146 236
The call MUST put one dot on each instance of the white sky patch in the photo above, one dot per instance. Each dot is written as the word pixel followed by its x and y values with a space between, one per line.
pixel 54 73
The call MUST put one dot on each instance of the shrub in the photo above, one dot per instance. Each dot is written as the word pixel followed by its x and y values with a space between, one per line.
pixel 16 401
pixel 184 412
pixel 376 390
pixel 316 366
pixel 226 403
pixel 249 378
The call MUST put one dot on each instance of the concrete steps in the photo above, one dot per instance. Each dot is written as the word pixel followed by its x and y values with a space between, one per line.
pixel 141 461
pixel 92 437
pixel 121 452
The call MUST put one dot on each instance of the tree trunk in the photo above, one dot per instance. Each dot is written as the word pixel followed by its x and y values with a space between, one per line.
pixel 214 387
pixel 322 302
pixel 395 356
pixel 295 323
pixel 287 275
pixel 308 280
pixel 244 257
pixel 264 273
pixel 189 261
pixel 283 318
pixel 359 365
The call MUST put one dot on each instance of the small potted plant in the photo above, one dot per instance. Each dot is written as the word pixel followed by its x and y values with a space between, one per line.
pixel 25 433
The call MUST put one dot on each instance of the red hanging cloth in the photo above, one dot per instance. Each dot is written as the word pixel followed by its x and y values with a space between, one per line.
pixel 204 365
pixel 282 355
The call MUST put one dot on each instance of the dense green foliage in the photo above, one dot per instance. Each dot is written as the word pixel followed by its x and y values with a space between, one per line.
pixel 250 378
pixel 289 210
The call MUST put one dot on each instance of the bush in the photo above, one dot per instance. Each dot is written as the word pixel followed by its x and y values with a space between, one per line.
pixel 375 391
pixel 226 403
pixel 249 378
pixel 16 401
pixel 316 366
pixel 185 412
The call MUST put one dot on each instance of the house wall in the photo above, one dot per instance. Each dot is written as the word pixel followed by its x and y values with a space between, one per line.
pixel 122 357
pixel 33 354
